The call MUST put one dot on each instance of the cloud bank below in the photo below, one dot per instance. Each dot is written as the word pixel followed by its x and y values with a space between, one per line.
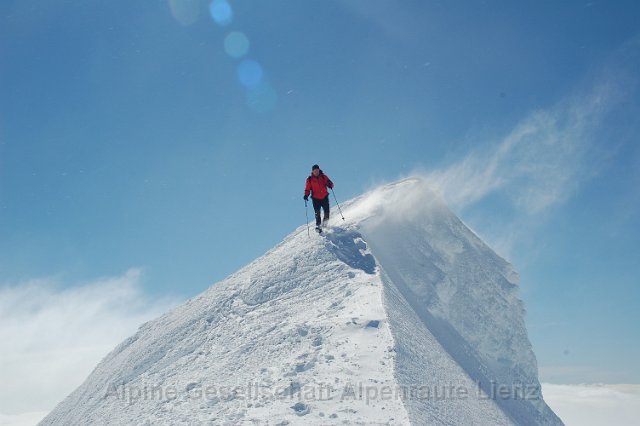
pixel 588 405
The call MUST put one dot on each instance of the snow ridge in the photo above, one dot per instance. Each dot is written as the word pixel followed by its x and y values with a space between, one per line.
pixel 387 319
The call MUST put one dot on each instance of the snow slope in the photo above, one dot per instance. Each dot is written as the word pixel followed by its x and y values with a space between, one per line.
pixel 399 315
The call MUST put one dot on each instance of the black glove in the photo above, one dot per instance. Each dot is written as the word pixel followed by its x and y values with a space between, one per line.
pixel 306 198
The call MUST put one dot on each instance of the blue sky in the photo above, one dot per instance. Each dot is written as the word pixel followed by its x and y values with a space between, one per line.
pixel 130 140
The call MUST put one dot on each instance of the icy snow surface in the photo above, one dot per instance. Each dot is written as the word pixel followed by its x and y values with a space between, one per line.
pixel 398 315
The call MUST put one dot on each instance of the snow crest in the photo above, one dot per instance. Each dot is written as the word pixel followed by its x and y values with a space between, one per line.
pixel 398 315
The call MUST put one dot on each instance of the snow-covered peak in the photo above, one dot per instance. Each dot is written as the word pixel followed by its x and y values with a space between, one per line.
pixel 397 315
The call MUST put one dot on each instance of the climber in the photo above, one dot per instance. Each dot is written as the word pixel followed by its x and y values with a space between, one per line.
pixel 317 184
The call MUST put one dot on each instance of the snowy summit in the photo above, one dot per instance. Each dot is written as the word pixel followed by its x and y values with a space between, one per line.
pixel 398 315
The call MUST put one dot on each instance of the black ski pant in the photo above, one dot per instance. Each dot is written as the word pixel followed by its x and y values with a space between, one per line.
pixel 317 204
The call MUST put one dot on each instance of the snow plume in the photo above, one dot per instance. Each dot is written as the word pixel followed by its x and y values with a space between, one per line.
pixel 404 200
pixel 552 151
pixel 539 163
pixel 53 337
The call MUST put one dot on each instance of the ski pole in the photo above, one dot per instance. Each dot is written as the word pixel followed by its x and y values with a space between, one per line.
pixel 338 204
pixel 306 213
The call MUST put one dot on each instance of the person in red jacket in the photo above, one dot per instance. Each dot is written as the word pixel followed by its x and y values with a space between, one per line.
pixel 317 184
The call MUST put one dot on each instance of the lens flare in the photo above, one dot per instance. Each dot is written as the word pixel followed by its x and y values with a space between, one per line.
pixel 236 44
pixel 221 12
pixel 185 11
pixel 250 73
pixel 261 97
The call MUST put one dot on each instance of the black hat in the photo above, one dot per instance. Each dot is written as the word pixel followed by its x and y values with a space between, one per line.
pixel 315 166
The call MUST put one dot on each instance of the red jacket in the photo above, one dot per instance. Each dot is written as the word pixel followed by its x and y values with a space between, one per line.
pixel 318 186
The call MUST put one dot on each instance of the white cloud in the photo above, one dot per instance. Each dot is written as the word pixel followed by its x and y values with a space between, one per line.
pixel 587 405
pixel 53 337
pixel 539 163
